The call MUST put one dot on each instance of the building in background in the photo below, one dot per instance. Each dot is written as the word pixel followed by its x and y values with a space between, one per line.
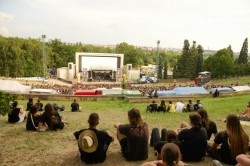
pixel 93 67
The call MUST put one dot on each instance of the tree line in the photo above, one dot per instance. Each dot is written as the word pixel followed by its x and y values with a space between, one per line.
pixel 23 58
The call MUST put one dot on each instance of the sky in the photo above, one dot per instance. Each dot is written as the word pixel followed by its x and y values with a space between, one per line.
pixel 214 24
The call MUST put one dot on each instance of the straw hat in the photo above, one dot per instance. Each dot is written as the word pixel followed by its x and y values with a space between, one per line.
pixel 88 141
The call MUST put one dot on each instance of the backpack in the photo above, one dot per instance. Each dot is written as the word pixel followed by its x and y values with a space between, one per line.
pixel 191 108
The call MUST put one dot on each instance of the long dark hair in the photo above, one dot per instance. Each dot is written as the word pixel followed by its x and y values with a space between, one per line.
pixel 238 139
pixel 135 117
pixel 33 109
pixel 171 154
pixel 14 104
pixel 195 119
pixel 49 112
pixel 204 118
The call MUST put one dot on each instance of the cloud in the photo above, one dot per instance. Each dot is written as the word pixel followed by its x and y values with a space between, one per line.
pixel 5 19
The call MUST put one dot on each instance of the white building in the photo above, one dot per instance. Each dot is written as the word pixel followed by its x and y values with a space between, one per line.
pixel 93 67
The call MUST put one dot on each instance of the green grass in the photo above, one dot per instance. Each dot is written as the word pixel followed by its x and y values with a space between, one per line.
pixel 20 147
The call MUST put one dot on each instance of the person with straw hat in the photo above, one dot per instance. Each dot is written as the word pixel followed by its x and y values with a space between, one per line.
pixel 93 144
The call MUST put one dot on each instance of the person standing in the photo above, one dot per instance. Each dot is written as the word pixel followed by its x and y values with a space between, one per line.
pixel 75 106
pixel 133 137
pixel 93 144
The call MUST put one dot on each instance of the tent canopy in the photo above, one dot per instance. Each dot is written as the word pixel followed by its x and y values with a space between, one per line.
pixel 241 88
pixel 13 87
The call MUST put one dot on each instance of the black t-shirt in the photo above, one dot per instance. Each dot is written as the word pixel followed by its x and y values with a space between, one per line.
pixel 161 108
pixel 29 124
pixel 53 122
pixel 39 106
pixel 193 143
pixel 137 141
pixel 153 107
pixel 14 115
pixel 74 107
pixel 100 154
pixel 211 130
pixel 28 105
pixel 224 151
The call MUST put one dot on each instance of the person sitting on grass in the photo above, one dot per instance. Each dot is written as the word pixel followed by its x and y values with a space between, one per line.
pixel 189 107
pixel 29 103
pixel 75 106
pixel 162 107
pixel 230 143
pixel 133 137
pixel 171 156
pixel 171 107
pixel 209 125
pixel 93 144
pixel 39 105
pixel 197 105
pixel 17 114
pixel 193 141
pixel 33 119
pixel 167 136
pixel 152 107
pixel 245 114
pixel 51 118
pixel 57 108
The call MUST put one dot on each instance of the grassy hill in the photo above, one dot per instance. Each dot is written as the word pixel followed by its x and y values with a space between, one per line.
pixel 20 147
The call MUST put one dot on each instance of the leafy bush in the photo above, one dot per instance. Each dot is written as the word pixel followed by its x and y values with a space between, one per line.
pixel 5 99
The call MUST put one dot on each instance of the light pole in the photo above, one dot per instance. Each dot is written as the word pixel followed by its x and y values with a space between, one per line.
pixel 44 58
pixel 158 59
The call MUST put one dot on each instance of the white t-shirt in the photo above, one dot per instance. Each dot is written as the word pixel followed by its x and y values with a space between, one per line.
pixel 179 106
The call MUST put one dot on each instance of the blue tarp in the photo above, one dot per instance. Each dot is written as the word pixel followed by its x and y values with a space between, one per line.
pixel 183 91
pixel 189 90
pixel 221 90
pixel 166 93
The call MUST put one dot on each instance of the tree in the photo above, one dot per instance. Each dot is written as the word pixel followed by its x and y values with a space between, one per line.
pixel 244 53
pixel 165 71
pixel 160 67
pixel 181 66
pixel 191 64
pixel 221 64
pixel 199 59
pixel 5 100
pixel 230 50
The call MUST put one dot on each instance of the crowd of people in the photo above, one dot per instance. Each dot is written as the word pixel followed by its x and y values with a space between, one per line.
pixel 145 89
pixel 173 147
pixel 171 107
